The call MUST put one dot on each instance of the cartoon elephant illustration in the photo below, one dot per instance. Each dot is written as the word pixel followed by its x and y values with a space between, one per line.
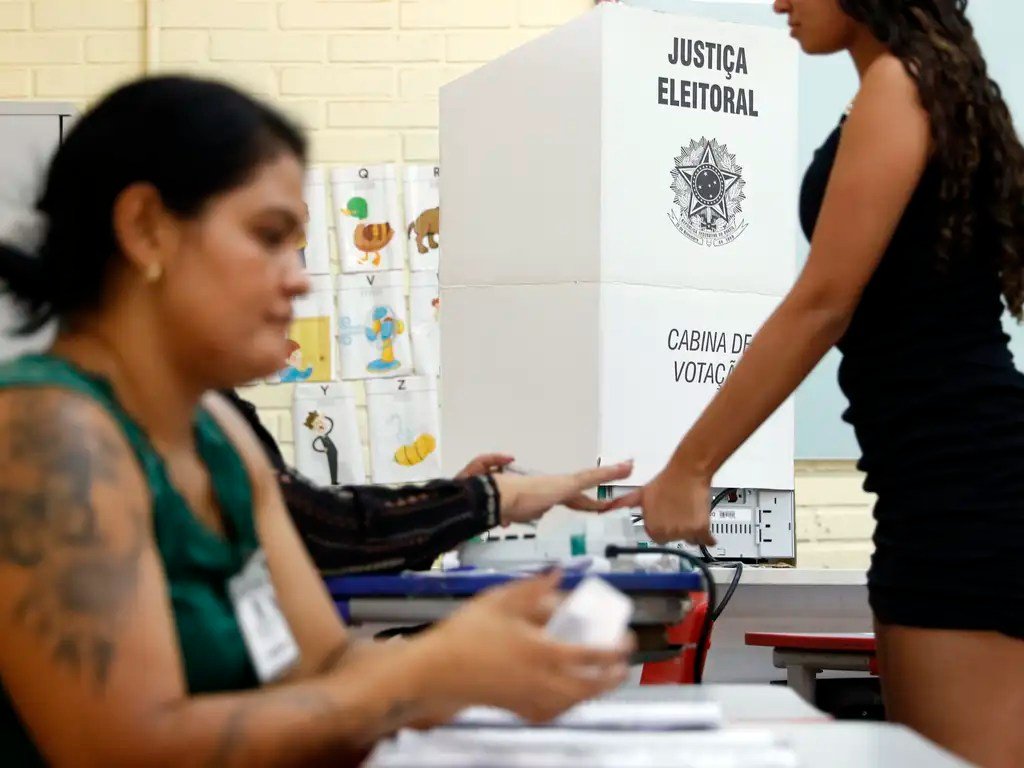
pixel 427 225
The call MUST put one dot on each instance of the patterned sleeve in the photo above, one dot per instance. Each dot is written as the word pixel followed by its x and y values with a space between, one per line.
pixel 364 529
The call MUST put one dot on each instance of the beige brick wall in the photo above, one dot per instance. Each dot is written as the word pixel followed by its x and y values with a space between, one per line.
pixel 362 77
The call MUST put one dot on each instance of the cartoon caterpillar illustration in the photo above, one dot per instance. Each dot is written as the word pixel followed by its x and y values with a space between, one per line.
pixel 427 225
pixel 416 451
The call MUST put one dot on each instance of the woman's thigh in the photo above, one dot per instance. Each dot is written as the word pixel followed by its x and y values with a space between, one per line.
pixel 963 690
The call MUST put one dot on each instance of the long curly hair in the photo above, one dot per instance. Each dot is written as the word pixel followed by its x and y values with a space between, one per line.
pixel 979 157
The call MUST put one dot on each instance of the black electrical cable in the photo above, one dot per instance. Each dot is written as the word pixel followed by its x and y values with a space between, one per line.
pixel 613 550
pixel 738 566
pixel 714 610
pixel 714 503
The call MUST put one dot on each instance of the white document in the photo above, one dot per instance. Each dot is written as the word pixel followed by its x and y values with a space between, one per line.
pixel 609 716
pixel 594 614
pixel 559 748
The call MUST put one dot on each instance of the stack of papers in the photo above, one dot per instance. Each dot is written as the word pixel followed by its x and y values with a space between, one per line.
pixel 608 716
pixel 562 748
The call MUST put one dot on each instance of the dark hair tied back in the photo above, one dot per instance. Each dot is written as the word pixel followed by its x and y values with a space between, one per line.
pixel 191 139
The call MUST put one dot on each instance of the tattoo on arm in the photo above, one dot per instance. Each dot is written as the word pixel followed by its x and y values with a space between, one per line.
pixel 317 710
pixel 81 577
pixel 235 741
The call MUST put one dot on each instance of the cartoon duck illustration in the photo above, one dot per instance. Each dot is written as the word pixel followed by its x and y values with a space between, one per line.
pixel 371 239
pixel 293 370
pixel 384 327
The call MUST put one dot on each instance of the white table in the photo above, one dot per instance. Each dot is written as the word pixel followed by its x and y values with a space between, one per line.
pixel 817 741
pixel 821 745
pixel 863 745
pixel 740 703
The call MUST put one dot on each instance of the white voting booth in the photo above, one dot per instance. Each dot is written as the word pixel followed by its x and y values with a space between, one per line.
pixel 619 212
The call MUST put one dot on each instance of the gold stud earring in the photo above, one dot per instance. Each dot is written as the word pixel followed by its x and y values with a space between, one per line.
pixel 154 272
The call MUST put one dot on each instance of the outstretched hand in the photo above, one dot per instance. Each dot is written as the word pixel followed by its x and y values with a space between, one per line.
pixel 484 464
pixel 675 507
pixel 526 498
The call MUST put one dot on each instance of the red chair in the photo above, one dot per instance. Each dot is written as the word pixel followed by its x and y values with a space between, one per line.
pixel 679 671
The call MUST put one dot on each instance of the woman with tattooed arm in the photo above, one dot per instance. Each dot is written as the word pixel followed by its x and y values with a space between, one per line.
pixel 142 533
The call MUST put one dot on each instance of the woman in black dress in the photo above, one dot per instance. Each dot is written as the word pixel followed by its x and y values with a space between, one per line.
pixel 915 210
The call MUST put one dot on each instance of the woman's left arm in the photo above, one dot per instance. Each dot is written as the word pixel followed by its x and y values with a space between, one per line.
pixel 301 593
pixel 882 155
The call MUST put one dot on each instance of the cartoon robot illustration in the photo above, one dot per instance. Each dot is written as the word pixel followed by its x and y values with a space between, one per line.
pixel 383 327
pixel 322 426
pixel 294 371
pixel 371 239
pixel 427 227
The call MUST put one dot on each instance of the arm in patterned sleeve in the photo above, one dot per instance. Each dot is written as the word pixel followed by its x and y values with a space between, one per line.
pixel 365 529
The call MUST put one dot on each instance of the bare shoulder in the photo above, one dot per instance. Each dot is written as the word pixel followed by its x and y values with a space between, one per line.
pixel 888 70
pixel 61 442
pixel 889 95
pixel 241 436
pixel 75 518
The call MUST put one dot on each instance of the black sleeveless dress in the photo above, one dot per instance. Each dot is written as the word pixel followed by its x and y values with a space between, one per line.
pixel 938 409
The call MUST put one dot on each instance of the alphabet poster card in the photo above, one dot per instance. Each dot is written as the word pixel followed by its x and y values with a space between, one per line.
pixel 404 424
pixel 314 248
pixel 367 218
pixel 373 330
pixel 424 312
pixel 327 446
pixel 423 216
pixel 310 355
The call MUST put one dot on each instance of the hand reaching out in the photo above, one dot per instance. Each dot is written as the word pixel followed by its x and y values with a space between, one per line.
pixel 484 464
pixel 526 498
pixel 675 507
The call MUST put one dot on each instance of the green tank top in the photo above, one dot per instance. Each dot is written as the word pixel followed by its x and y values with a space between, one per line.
pixel 198 563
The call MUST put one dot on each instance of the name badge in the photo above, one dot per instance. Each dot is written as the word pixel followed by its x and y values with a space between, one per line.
pixel 268 638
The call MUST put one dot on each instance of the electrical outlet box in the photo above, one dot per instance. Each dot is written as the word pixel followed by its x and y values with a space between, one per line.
pixel 748 524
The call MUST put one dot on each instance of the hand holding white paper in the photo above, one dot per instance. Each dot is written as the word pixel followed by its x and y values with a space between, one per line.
pixel 595 614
